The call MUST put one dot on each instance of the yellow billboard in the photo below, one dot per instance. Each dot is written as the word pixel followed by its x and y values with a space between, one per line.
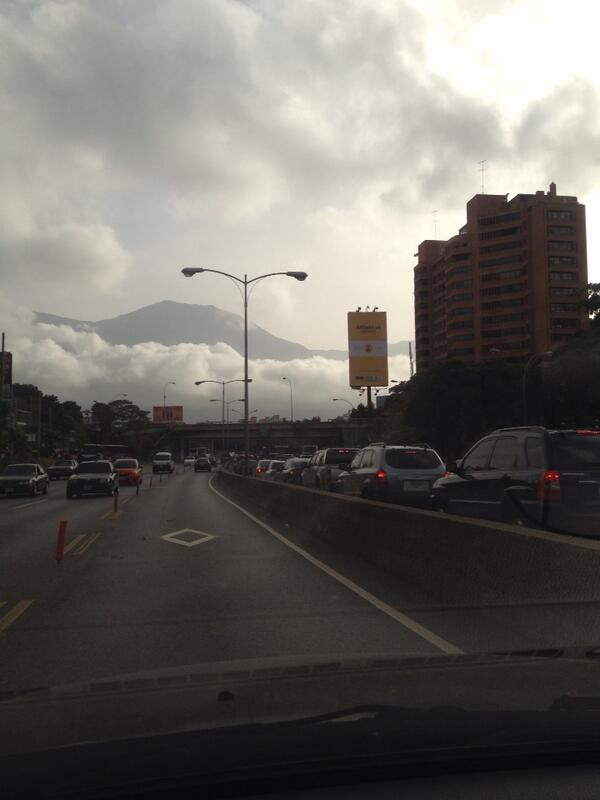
pixel 367 348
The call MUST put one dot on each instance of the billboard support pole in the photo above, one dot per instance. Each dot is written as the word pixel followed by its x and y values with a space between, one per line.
pixel 369 399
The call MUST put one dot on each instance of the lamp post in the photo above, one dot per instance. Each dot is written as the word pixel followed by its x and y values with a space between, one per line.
pixel 189 272
pixel 168 383
pixel 342 400
pixel 289 380
pixel 535 357
pixel 222 384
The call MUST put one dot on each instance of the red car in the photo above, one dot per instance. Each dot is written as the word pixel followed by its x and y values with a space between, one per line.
pixel 129 470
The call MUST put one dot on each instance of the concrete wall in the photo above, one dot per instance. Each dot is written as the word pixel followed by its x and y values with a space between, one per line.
pixel 453 559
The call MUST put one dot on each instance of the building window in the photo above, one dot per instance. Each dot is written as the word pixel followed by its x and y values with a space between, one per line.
pixel 460 284
pixel 560 245
pixel 493 248
pixel 461 323
pixel 504 332
pixel 512 215
pixel 461 298
pixel 460 337
pixel 496 262
pixel 562 307
pixel 551 214
pixel 497 318
pixel 500 232
pixel 563 276
pixel 501 276
pixel 458 270
pixel 558 261
pixel 508 289
pixel 461 351
pixel 561 230
pixel 463 311
pixel 563 291
pixel 516 301
pixel 564 323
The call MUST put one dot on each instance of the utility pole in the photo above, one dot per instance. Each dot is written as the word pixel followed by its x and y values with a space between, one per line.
pixel 410 356
pixel 2 370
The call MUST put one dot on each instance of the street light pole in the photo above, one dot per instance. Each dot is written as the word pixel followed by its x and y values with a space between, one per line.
pixel 223 384
pixel 542 357
pixel 343 400
pixel 189 272
pixel 168 383
pixel 289 380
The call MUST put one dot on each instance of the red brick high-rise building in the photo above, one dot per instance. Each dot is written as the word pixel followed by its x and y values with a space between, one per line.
pixel 508 285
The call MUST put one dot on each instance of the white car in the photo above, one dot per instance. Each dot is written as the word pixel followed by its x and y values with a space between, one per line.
pixel 163 462
pixel 189 461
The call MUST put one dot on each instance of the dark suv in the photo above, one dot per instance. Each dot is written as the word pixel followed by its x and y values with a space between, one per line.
pixel 530 475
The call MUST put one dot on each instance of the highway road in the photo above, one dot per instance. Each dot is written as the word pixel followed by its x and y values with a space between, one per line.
pixel 181 576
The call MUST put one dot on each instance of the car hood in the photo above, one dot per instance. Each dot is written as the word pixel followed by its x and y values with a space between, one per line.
pixel 11 478
pixel 270 692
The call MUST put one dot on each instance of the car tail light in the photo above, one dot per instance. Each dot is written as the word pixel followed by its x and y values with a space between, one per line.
pixel 381 476
pixel 549 485
pixel 587 433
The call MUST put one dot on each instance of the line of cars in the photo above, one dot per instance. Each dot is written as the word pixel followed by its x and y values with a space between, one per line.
pixel 530 475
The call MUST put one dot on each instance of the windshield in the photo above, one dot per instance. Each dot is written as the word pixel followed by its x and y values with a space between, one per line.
pixel 339 456
pixel 90 467
pixel 235 233
pixel 19 469
pixel 411 459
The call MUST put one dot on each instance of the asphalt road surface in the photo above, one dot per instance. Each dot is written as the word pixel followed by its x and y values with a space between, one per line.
pixel 181 576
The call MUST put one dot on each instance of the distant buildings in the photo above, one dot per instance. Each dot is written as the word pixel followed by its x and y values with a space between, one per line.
pixel 508 285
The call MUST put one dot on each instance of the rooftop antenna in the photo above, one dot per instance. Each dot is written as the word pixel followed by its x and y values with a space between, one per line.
pixel 482 169
pixel 435 222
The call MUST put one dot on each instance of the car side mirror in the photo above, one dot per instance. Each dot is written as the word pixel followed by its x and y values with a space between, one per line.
pixel 453 466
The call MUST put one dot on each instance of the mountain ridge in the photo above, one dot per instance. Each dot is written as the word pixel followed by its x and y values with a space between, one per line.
pixel 168 322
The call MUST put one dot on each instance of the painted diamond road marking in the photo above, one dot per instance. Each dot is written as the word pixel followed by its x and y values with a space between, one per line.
pixel 193 537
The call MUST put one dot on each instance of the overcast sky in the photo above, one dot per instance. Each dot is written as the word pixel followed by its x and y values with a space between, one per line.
pixel 141 136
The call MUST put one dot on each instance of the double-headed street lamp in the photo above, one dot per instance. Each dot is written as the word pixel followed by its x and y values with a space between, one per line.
pixel 189 272
pixel 223 384
pixel 289 380
pixel 535 357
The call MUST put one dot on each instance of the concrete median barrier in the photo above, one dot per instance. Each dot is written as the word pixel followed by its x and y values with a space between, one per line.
pixel 455 560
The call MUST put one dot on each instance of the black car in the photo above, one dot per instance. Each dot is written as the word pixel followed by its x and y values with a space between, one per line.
pixel 93 477
pixel 292 471
pixel 63 468
pixel 202 464
pixel 529 475
pixel 28 479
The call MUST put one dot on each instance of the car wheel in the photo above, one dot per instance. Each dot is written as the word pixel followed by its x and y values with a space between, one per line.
pixel 45 489
pixel 33 490
pixel 439 505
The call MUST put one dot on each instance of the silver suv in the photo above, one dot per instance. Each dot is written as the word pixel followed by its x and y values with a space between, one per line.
pixel 396 473
pixel 325 467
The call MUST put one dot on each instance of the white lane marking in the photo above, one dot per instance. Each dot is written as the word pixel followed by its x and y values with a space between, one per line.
pixel 398 616
pixel 174 537
pixel 33 503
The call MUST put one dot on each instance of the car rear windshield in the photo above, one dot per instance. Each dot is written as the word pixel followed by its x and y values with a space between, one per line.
pixel 344 456
pixel 126 463
pixel 412 459
pixel 19 469
pixel 162 457
pixel 293 463
pixel 92 466
pixel 576 451
pixel 63 464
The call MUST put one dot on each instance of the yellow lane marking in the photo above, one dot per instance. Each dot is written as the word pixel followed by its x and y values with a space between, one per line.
pixel 126 500
pixel 16 612
pixel 398 616
pixel 33 503
pixel 87 544
pixel 107 514
pixel 74 542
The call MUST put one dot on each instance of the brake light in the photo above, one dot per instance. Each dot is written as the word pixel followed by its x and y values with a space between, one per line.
pixel 549 485
pixel 587 433
pixel 381 476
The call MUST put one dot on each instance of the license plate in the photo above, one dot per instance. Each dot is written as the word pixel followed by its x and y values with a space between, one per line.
pixel 416 486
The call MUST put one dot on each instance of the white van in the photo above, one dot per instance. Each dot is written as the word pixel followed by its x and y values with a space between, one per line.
pixel 163 462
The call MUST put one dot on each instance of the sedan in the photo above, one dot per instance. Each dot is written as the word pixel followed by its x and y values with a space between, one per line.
pixel 29 479
pixel 129 470
pixel 63 468
pixel 189 461
pixel 292 471
pixel 202 464
pixel 93 477
pixel 274 467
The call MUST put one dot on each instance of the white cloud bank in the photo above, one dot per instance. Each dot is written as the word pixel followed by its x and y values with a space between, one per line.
pixel 83 367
